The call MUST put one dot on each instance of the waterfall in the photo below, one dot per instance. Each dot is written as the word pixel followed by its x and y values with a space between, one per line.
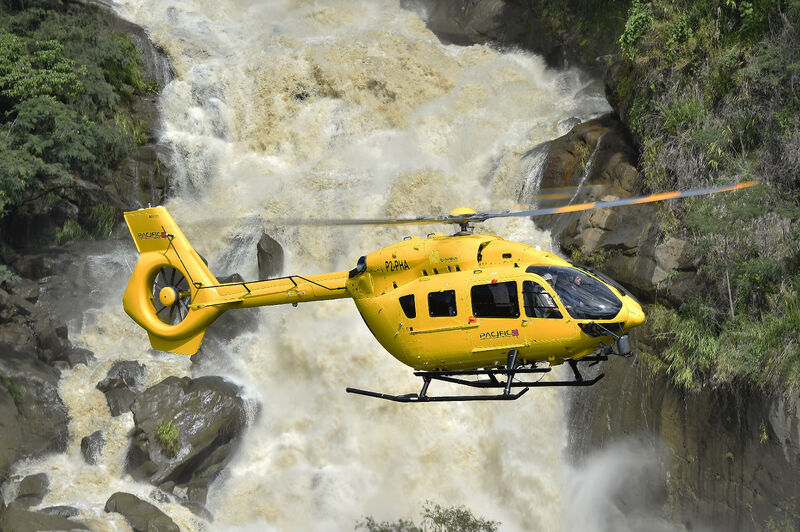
pixel 338 109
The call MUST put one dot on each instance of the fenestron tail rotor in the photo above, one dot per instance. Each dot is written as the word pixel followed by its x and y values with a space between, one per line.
pixel 465 216
pixel 171 296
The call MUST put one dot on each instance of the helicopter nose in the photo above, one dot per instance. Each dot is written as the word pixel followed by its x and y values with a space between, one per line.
pixel 635 313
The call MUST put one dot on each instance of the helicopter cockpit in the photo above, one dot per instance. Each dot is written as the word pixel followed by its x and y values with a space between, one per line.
pixel 583 296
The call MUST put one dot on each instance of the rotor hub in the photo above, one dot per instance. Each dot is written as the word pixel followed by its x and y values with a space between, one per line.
pixel 168 296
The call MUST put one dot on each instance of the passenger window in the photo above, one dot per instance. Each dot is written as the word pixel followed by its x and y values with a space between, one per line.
pixel 495 300
pixel 409 308
pixel 538 303
pixel 442 303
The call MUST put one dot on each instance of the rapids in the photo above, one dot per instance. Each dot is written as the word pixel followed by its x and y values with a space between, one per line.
pixel 331 109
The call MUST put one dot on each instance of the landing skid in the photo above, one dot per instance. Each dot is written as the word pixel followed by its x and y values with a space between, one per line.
pixel 510 371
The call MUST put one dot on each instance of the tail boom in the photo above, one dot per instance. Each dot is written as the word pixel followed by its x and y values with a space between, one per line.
pixel 164 248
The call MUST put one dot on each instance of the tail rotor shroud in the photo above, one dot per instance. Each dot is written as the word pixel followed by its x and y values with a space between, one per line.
pixel 171 296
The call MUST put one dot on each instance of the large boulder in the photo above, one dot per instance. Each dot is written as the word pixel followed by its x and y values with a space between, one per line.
pixel 33 418
pixel 92 447
pixel 270 257
pixel 32 490
pixel 141 515
pixel 16 518
pixel 123 382
pixel 186 430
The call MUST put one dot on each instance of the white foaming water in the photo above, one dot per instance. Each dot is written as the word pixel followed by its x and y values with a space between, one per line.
pixel 347 108
pixel 618 488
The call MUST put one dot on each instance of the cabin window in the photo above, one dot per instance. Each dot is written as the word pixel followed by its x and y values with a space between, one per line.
pixel 495 300
pixel 442 303
pixel 538 303
pixel 409 308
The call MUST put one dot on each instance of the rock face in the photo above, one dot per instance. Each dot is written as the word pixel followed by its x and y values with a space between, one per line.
pixel 141 515
pixel 624 243
pixel 721 473
pixel 570 35
pixel 205 417
pixel 25 325
pixel 33 417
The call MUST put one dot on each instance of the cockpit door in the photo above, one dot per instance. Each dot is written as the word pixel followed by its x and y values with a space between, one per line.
pixel 545 322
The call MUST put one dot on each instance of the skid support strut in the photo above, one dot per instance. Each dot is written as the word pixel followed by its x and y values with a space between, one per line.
pixel 474 378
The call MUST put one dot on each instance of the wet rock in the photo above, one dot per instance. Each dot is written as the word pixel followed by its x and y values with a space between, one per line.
pixel 123 382
pixel 32 490
pixel 11 434
pixel 206 417
pixel 144 175
pixel 63 511
pixel 604 140
pixel 24 288
pixel 18 519
pixel 141 516
pixel 463 22
pixel 32 414
pixel 731 455
pixel 52 339
pixel 198 509
pixel 270 257
pixel 17 336
pixel 28 327
pixel 92 447
pixel 77 355
pixel 160 495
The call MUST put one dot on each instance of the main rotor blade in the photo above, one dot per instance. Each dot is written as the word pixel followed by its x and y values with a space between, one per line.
pixel 421 220
pixel 620 202
pixel 483 216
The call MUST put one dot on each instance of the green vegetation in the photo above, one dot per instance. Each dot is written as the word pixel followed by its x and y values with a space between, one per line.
pixel 67 88
pixel 435 518
pixel 6 275
pixel 595 259
pixel 639 21
pixel 167 436
pixel 709 90
pixel 16 391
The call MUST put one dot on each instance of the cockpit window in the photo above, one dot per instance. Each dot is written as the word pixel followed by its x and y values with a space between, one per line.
pixel 495 300
pixel 538 303
pixel 583 296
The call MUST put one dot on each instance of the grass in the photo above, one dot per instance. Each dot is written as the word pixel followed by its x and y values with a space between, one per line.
pixel 700 348
pixel 16 391
pixel 167 436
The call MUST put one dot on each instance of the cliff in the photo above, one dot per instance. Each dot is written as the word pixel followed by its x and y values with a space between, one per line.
pixel 701 94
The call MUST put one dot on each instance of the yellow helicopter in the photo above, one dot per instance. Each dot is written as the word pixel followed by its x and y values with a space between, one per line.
pixel 470 309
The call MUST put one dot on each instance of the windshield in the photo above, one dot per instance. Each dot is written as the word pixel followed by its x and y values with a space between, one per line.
pixel 583 296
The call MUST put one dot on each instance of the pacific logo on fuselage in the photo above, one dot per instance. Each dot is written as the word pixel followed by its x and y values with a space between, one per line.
pixel 396 265
pixel 151 234
pixel 491 335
